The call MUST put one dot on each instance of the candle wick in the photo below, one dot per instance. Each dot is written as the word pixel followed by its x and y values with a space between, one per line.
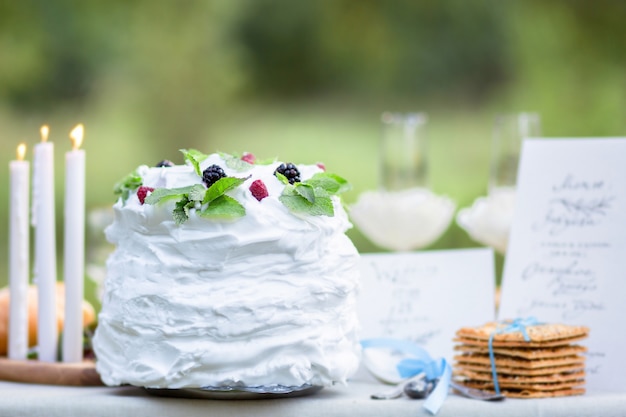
pixel 44 132
pixel 76 136
pixel 21 151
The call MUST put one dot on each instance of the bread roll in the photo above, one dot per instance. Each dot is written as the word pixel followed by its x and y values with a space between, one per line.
pixel 89 314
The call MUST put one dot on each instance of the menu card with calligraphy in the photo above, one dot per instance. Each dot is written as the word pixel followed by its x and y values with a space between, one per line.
pixel 566 260
pixel 425 297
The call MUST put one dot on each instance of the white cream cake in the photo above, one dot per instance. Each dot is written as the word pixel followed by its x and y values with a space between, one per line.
pixel 222 285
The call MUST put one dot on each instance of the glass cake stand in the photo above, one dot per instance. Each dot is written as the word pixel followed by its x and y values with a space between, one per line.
pixel 237 393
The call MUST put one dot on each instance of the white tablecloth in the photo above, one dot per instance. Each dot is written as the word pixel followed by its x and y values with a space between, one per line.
pixel 353 400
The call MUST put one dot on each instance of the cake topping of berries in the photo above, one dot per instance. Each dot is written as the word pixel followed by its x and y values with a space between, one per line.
pixel 142 193
pixel 212 174
pixel 249 158
pixel 165 163
pixel 259 190
pixel 290 171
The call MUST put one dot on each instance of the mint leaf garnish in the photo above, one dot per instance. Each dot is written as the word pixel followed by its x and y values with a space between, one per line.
pixel 216 204
pixel 313 196
pixel 127 185
pixel 333 184
pixel 162 194
pixel 235 162
pixel 194 157
pixel 268 161
pixel 221 186
pixel 197 192
pixel 323 206
pixel 223 207
pixel 181 211
pixel 297 203
pixel 281 178
pixel 187 199
pixel 306 191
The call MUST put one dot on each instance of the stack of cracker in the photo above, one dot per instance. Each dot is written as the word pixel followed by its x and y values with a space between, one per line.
pixel 545 363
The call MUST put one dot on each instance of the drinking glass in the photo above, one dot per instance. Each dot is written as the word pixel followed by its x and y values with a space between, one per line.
pixel 508 132
pixel 403 162
pixel 404 214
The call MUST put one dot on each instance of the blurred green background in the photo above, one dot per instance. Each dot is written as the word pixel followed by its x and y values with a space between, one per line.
pixel 302 81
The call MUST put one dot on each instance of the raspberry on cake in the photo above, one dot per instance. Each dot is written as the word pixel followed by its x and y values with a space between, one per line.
pixel 248 157
pixel 142 193
pixel 258 190
pixel 208 288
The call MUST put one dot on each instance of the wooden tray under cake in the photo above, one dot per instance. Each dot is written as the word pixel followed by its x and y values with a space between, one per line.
pixel 36 372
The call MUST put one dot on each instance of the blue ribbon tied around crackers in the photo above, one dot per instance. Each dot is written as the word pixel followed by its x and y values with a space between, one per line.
pixel 512 326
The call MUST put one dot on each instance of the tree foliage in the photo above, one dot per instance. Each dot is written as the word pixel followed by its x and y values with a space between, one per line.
pixel 179 60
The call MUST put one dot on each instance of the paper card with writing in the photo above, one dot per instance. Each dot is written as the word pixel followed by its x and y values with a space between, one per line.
pixel 426 296
pixel 566 260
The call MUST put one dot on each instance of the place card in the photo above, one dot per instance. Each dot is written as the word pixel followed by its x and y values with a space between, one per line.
pixel 425 297
pixel 566 259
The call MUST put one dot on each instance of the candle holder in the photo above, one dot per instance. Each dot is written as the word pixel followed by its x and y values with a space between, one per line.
pixel 39 372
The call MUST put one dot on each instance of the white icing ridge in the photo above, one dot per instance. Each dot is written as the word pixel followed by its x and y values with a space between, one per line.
pixel 267 299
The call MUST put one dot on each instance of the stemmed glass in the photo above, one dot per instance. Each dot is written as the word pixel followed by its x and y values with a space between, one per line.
pixel 488 220
pixel 403 214
pixel 403 151
pixel 508 132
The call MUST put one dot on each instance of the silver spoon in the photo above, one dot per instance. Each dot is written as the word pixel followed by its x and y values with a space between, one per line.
pixel 419 389
pixel 398 390
pixel 475 393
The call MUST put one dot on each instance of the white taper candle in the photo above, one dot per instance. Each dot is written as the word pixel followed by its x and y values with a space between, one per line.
pixel 74 260
pixel 19 255
pixel 45 247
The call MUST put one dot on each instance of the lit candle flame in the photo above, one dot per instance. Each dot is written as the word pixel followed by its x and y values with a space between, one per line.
pixel 44 131
pixel 77 136
pixel 21 151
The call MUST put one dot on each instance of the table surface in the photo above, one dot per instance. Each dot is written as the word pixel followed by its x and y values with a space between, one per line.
pixel 18 399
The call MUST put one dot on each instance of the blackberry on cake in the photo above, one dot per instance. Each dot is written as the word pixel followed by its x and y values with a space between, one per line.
pixel 290 171
pixel 212 174
pixel 164 164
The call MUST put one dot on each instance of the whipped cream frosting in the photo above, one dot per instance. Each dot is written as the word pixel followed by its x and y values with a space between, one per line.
pixel 266 299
